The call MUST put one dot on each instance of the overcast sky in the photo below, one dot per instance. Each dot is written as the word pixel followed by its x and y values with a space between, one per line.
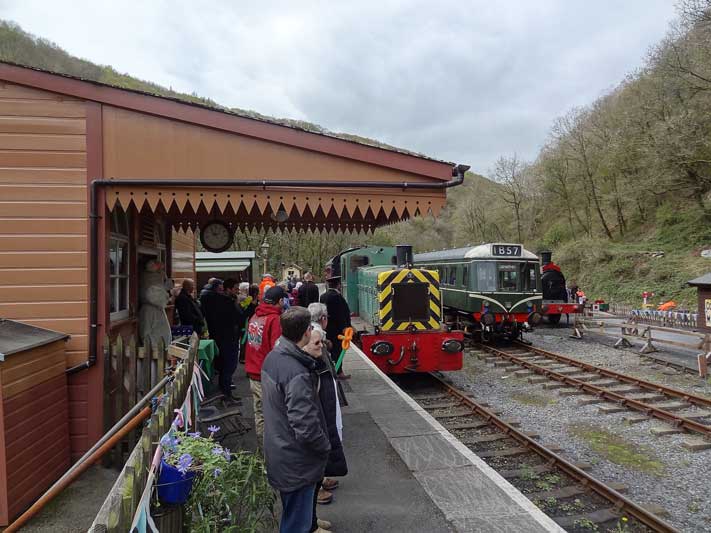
pixel 464 81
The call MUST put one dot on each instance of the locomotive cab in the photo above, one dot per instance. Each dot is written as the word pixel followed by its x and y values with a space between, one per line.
pixel 397 310
pixel 555 294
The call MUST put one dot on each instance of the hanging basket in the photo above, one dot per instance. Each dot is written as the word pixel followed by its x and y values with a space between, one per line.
pixel 173 486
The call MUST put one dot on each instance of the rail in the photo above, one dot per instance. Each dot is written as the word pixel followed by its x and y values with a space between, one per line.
pixel 119 507
pixel 620 502
pixel 611 395
pixel 633 329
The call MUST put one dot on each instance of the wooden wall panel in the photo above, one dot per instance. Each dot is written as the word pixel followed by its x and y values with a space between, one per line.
pixel 44 230
pixel 67 126
pixel 72 212
pixel 183 255
pixel 78 425
pixel 39 175
pixel 42 243
pixel 56 259
pixel 35 401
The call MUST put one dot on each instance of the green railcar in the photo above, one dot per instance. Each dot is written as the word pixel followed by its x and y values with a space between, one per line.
pixel 490 290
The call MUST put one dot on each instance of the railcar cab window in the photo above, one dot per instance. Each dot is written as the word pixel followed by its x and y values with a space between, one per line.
pixel 528 276
pixel 453 276
pixel 486 277
pixel 465 275
pixel 508 277
pixel 118 265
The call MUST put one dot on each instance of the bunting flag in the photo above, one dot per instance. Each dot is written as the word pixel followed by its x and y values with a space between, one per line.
pixel 142 520
pixel 179 421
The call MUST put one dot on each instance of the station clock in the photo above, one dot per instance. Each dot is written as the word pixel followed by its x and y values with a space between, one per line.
pixel 216 236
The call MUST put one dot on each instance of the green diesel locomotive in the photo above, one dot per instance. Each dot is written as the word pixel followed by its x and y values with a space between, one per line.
pixel 396 309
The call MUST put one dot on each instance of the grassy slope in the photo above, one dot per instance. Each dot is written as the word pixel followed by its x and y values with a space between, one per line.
pixel 620 271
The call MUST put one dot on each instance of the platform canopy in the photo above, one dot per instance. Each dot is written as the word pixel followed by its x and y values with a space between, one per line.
pixel 194 163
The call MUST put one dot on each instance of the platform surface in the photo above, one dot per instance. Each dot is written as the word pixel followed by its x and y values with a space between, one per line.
pixel 406 472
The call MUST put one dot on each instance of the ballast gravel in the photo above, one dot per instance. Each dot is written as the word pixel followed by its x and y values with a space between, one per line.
pixel 680 480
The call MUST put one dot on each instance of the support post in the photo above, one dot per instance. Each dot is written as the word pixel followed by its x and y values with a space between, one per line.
pixel 648 346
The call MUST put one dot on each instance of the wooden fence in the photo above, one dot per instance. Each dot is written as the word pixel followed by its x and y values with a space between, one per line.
pixel 130 371
pixel 119 508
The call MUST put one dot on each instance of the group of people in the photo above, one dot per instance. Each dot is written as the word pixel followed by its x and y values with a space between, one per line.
pixel 290 352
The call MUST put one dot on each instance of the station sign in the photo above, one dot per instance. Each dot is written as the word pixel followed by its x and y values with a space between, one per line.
pixel 506 250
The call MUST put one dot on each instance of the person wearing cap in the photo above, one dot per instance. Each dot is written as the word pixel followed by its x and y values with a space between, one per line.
pixel 263 330
pixel 339 318
pixel 267 282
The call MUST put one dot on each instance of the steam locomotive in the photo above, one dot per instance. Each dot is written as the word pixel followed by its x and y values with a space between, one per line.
pixel 396 310
pixel 491 290
pixel 555 294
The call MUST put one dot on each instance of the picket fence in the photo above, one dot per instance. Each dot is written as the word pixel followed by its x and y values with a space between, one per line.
pixel 133 372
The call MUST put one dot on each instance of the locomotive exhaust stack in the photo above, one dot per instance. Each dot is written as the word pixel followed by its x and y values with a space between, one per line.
pixel 403 252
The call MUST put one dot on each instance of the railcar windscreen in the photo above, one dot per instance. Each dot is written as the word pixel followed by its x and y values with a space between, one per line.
pixel 411 302
pixel 508 277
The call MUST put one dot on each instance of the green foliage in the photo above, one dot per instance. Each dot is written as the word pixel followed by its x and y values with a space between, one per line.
pixel 548 482
pixel 230 492
pixel 584 523
pixel 687 227
pixel 618 450
pixel 557 234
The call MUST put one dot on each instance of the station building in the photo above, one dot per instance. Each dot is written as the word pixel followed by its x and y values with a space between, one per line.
pixel 96 180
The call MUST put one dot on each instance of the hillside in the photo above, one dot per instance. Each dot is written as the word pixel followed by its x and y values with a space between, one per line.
pixel 618 179
pixel 22 48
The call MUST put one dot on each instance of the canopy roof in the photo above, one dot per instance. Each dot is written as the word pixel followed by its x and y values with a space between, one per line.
pixel 194 163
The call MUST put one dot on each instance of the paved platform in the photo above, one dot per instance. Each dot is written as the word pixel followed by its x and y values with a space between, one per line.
pixel 406 471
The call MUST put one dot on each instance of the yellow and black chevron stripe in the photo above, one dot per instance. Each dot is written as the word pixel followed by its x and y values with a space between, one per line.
pixel 386 280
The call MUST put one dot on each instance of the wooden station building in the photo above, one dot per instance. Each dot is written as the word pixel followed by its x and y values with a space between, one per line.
pixel 95 180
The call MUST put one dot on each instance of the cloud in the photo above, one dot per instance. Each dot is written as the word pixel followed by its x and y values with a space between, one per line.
pixel 461 81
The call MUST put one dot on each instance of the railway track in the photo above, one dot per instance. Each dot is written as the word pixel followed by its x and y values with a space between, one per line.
pixel 682 410
pixel 573 498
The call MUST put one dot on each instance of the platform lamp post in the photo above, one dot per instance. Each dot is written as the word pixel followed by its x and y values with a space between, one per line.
pixel 265 251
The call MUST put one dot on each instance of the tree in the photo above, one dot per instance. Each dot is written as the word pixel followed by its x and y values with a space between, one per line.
pixel 510 172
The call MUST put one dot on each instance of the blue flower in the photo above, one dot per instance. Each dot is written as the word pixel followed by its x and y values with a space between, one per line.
pixel 184 463
pixel 217 450
pixel 213 429
pixel 194 435
pixel 227 454
pixel 217 472
pixel 168 442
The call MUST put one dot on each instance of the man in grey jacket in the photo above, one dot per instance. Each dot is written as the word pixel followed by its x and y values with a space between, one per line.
pixel 296 444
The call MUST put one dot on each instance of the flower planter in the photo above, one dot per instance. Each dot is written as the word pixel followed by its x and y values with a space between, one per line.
pixel 173 486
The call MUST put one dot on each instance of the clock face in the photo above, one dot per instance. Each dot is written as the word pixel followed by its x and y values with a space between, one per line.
pixel 216 237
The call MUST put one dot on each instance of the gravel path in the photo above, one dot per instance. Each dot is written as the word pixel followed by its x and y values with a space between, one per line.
pixel 657 470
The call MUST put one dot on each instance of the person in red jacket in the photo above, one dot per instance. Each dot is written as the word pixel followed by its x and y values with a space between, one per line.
pixel 263 330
